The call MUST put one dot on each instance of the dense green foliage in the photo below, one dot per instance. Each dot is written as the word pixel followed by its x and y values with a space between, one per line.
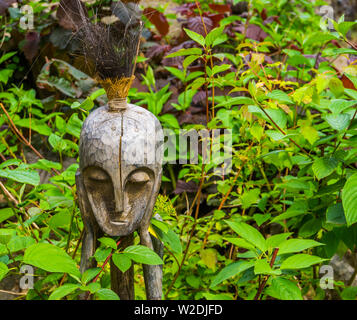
pixel 289 204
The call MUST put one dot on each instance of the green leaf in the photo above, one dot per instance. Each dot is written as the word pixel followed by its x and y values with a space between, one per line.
pixel 336 86
pixel 106 294
pixel 108 242
pixel 185 52
pixel 47 165
pixel 90 274
pixel 122 261
pixel 323 167
pixel 310 228
pixel 300 261
pixel 345 26
pixel 335 214
pixel 209 258
pixel 6 214
pixel 283 289
pixel 280 96
pixel 3 270
pixel 51 258
pixel 349 199
pixel 195 37
pixel 241 243
pixel 170 120
pixel 21 175
pixel 296 245
pixel 275 240
pixel 213 35
pixel 349 293
pixel 63 291
pixel 231 270
pixel 250 197
pixel 142 254
pixel 7 56
pixel 338 122
pixel 249 233
pixel 262 266
pixel 177 73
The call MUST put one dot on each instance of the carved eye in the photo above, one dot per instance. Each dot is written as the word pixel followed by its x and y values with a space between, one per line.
pixel 98 175
pixel 139 177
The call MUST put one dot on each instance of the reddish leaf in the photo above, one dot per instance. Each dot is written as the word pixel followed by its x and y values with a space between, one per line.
pixel 158 20
pixel 4 4
pixel 31 46
pixel 157 50
pixel 186 9
pixel 220 8
pixel 216 18
pixel 253 32
pixel 195 24
pixel 183 186
pixel 347 83
pixel 263 14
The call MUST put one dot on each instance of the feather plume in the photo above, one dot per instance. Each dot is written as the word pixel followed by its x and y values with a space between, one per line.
pixel 110 45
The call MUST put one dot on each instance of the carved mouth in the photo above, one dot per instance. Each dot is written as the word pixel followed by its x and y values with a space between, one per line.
pixel 117 219
pixel 119 223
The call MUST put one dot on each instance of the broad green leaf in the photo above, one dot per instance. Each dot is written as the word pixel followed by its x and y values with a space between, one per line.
pixel 250 197
pixel 323 167
pixel 349 293
pixel 185 52
pixel 51 258
pixel 6 214
pixel 338 122
pixel 283 289
pixel 296 245
pixel 122 261
pixel 47 165
pixel 349 199
pixel 106 294
pixel 275 240
pixel 7 56
pixel 262 266
pixel 235 101
pixel 339 105
pixel 18 243
pixel 209 258
pixel 63 291
pixel 249 233
pixel 21 175
pixel 89 275
pixel 231 270
pixel 241 243
pixel 142 254
pixel 310 228
pixel 3 270
pixel 195 37
pixel 280 96
pixel 300 261
pixel 108 242
pixel 177 73
pixel 335 214
pixel 213 35
pixel 336 86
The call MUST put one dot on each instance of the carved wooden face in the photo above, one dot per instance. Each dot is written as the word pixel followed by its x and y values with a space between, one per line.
pixel 120 183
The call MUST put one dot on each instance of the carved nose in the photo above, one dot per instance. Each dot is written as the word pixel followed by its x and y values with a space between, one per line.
pixel 119 202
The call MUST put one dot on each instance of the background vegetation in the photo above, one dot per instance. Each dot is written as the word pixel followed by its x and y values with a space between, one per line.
pixel 269 70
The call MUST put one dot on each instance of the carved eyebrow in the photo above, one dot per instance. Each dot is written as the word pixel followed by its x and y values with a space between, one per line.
pixel 139 177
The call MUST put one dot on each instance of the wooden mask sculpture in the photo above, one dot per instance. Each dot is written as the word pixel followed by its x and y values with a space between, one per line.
pixel 120 149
